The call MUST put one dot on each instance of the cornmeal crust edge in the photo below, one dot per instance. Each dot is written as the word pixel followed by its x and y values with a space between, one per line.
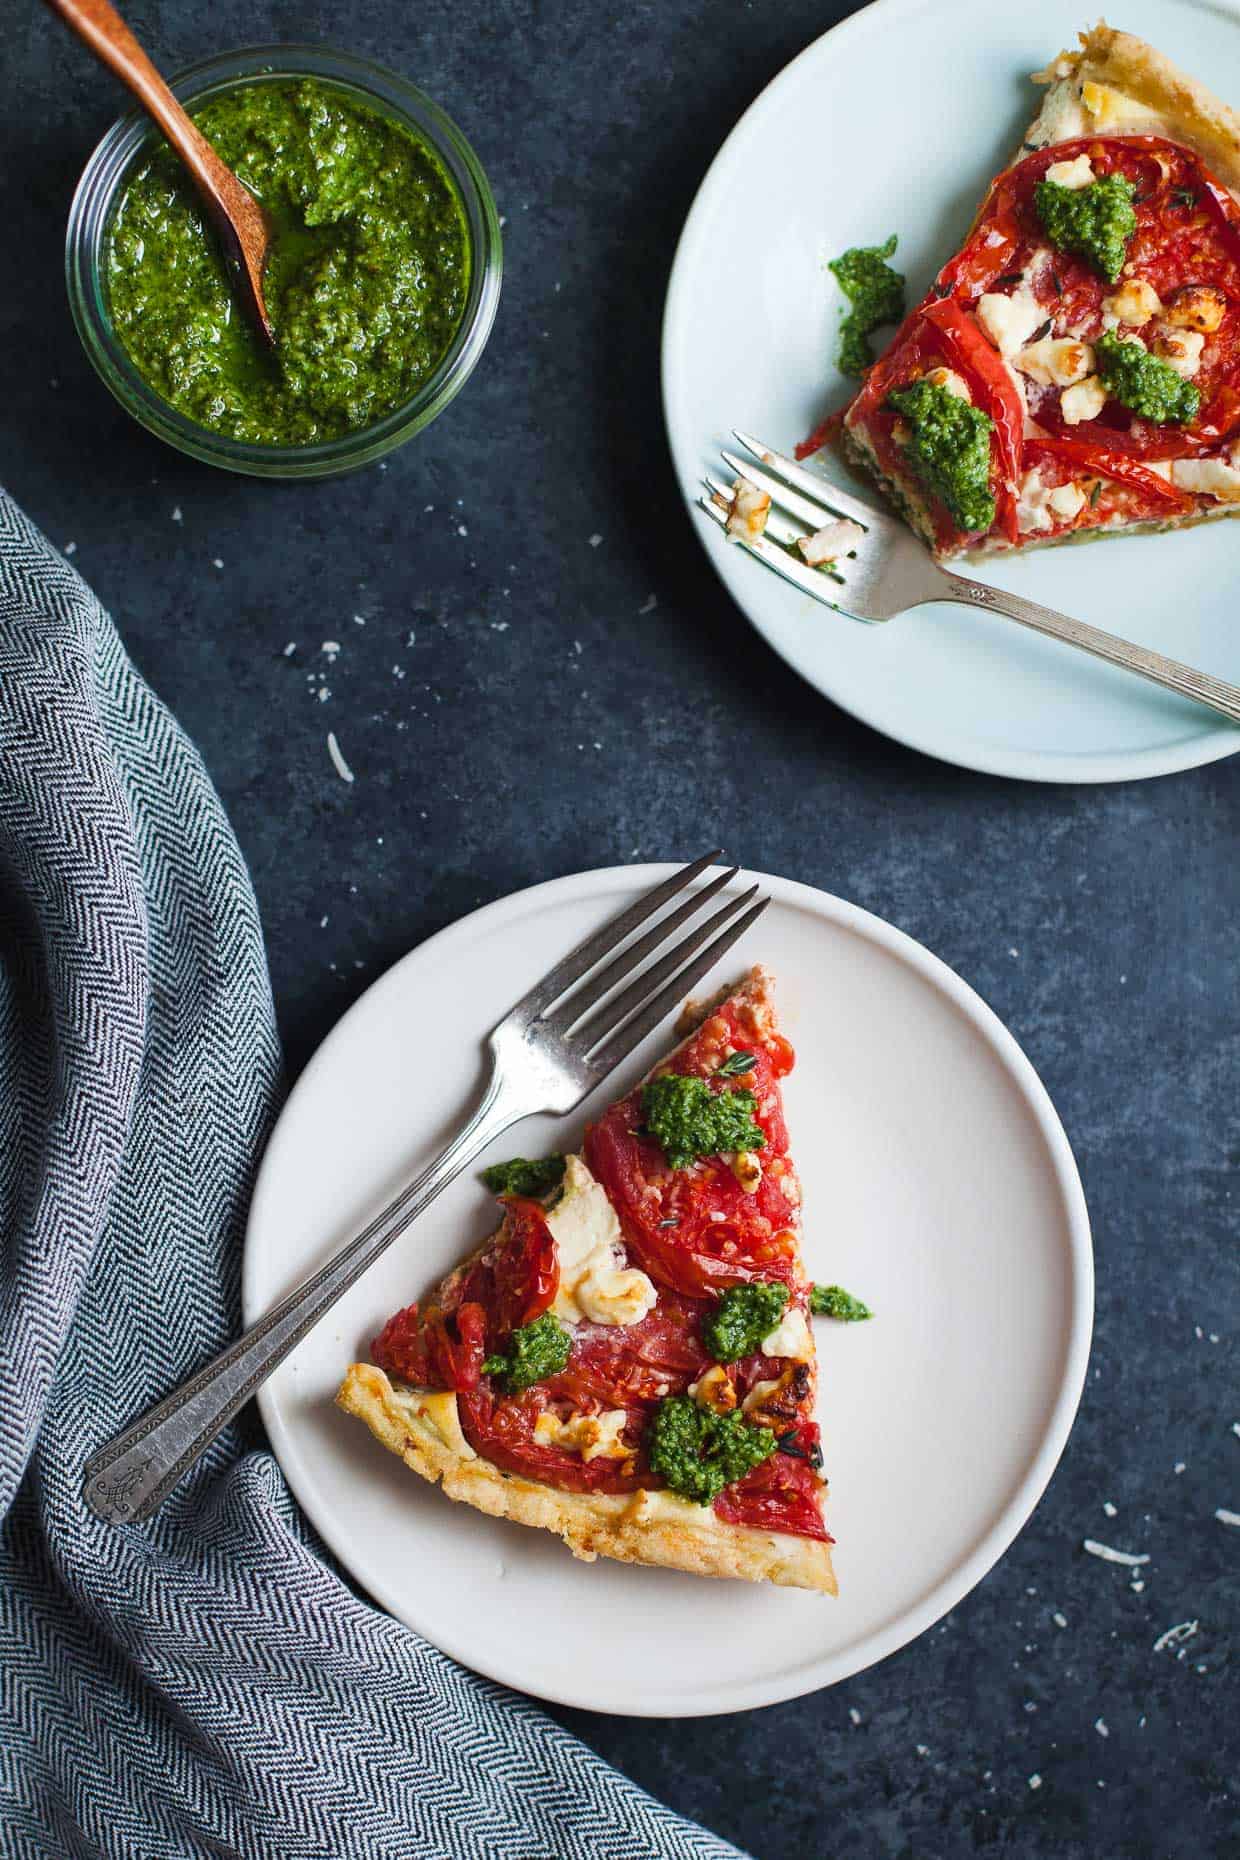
pixel 1134 73
pixel 629 1527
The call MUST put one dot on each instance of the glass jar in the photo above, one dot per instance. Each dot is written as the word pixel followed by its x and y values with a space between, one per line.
pixel 131 140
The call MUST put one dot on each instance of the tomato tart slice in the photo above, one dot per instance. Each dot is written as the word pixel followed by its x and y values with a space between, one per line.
pixel 628 1361
pixel 1074 370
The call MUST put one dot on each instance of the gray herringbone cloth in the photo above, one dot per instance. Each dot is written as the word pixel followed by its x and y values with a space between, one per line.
pixel 204 1685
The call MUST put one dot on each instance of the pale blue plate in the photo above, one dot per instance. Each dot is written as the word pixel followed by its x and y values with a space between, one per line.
pixel 894 122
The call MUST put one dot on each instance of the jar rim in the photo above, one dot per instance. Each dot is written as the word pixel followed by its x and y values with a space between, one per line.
pixel 107 172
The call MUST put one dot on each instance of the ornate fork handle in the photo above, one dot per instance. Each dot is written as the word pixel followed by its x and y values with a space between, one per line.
pixel 1216 693
pixel 129 1478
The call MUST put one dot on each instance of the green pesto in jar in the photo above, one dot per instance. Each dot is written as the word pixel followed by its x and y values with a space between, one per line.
pixel 365 283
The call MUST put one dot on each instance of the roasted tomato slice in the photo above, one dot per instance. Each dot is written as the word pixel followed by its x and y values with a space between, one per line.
pixel 511 1282
pixel 516 1277
pixel 502 1431
pixel 696 1229
pixel 1117 466
pixel 615 1366
pixel 435 1349
pixel 782 1494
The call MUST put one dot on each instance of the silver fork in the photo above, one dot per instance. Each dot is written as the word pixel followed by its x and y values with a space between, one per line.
pixel 558 1042
pixel 892 571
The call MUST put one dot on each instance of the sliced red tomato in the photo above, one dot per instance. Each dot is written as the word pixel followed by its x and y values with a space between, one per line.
pixel 517 1276
pixel 511 1282
pixel 825 429
pixel 1082 455
pixel 437 1350
pixel 696 1229
pixel 615 1366
pixel 782 1494
pixel 502 1431
pixel 969 351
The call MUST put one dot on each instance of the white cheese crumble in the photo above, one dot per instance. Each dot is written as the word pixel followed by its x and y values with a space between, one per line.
pixel 790 1337
pixel 594 1436
pixel 1074 174
pixel 746 1166
pixel 1207 478
pixel 1066 500
pixel 832 540
pixel 759 1394
pixel 1180 349
pixel 949 379
pixel 1056 361
pixel 595 1282
pixel 1134 303
pixel 1009 321
pixel 749 512
pixel 1038 508
pixel 1084 401
pixel 1197 306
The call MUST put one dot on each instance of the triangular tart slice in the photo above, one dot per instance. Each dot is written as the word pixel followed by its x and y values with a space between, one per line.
pixel 1074 370
pixel 628 1361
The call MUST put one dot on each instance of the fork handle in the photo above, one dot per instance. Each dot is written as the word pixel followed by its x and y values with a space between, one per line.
pixel 1215 693
pixel 130 1478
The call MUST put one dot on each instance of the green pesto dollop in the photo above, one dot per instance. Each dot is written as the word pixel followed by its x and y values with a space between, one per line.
pixel 949 448
pixel 534 1352
pixel 1141 381
pixel 687 1119
pixel 697 1452
pixel 1096 222
pixel 876 295
pixel 522 1177
pixel 742 1318
pixel 834 1302
pixel 365 283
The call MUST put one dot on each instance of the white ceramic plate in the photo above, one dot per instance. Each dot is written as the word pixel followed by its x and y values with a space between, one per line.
pixel 894 122
pixel 938 1184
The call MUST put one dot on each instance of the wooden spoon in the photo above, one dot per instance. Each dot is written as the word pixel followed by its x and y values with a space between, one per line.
pixel 242 225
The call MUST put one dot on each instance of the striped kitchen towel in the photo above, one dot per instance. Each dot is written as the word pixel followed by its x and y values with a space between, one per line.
pixel 203 1685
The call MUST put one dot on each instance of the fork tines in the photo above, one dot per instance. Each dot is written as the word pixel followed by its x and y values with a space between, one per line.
pixel 802 503
pixel 576 1003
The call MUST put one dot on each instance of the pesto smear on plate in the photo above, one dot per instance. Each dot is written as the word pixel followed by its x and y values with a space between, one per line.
pixel 365 284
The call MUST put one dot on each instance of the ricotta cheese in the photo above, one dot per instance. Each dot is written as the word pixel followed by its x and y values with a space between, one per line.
pixel 1009 321
pixel 949 379
pixel 746 1166
pixel 1073 174
pixel 1056 361
pixel 1065 501
pixel 1085 401
pixel 1180 349
pixel 1134 303
pixel 749 512
pixel 1207 478
pixel 1033 505
pixel 595 1282
pixel 832 540
pixel 790 1337
pixel 1197 306
pixel 594 1436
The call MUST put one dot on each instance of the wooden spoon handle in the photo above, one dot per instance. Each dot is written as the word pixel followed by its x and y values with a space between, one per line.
pixel 102 28
pixel 240 221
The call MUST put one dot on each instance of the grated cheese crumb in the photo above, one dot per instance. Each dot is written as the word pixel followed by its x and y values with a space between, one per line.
pixel 1105 1552
pixel 338 762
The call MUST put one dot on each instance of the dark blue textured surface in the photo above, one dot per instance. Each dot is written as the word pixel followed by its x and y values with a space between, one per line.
pixel 1099 923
